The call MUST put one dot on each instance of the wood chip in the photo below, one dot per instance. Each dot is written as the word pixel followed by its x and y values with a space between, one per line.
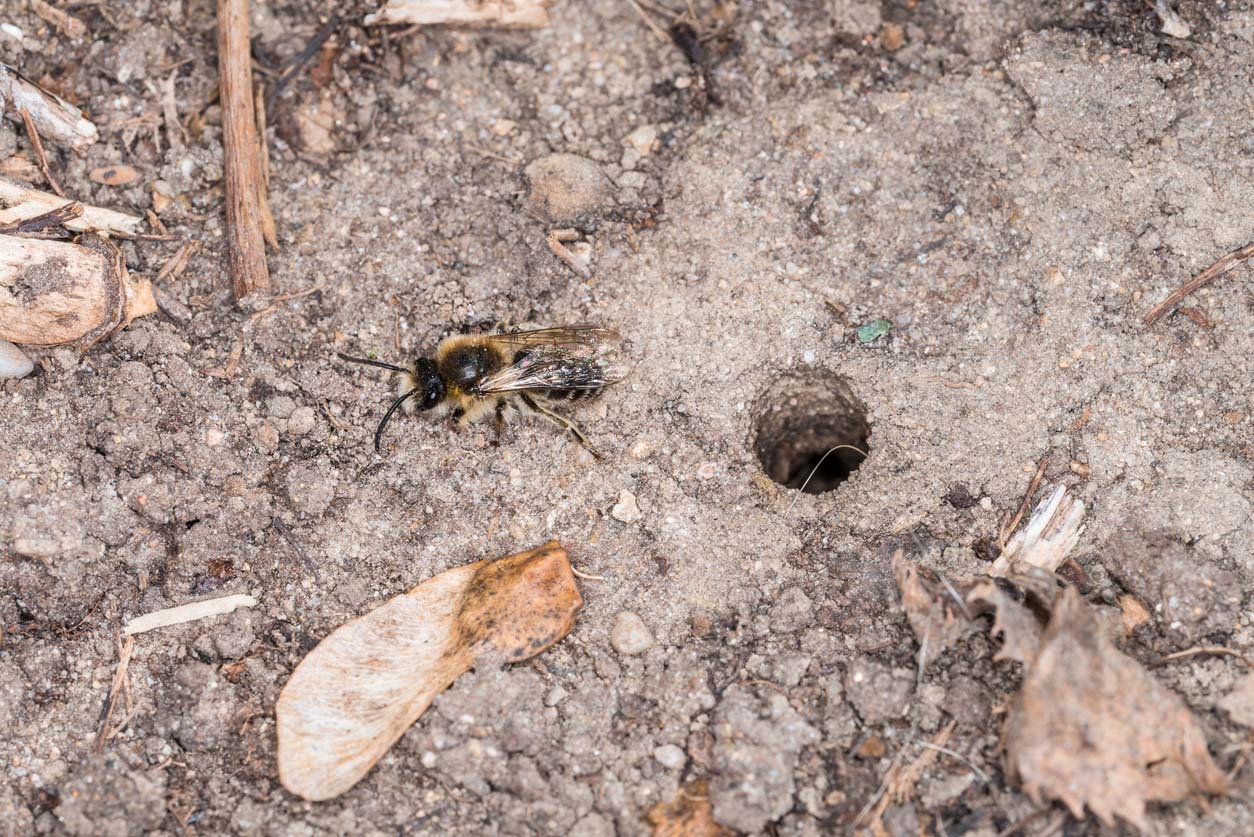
pixel 18 202
pixel 55 119
pixel 501 14
pixel 187 613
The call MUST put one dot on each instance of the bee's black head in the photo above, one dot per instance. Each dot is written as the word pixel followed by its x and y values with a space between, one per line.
pixel 429 384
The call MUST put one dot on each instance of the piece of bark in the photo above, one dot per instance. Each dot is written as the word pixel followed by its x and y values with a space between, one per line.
pixel 355 694
pixel 245 219
pixel 18 202
pixel 55 292
pixel 1091 728
pixel 56 119
pixel 503 14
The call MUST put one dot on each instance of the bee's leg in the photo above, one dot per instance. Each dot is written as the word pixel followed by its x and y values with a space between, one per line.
pixel 561 421
pixel 501 407
pixel 455 418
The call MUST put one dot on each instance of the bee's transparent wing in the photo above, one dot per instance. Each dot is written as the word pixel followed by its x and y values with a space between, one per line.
pixel 588 336
pixel 554 368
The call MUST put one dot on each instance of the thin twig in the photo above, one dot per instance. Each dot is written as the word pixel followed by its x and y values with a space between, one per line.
pixel 657 30
pixel 1216 270
pixel 40 157
pixel 294 65
pixel 174 267
pixel 554 240
pixel 1204 649
pixel 587 576
pixel 111 702
pixel 959 756
pixel 1023 506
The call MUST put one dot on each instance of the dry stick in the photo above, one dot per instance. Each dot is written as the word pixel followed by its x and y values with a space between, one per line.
pixel 1023 822
pixel 246 250
pixel 111 703
pixel 177 263
pixel 53 218
pixel 40 157
pixel 1023 506
pixel 1216 270
pixel 1204 649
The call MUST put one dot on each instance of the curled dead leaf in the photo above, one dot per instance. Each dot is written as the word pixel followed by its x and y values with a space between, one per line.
pixel 689 814
pixel 1092 728
pixel 55 292
pixel 355 694
pixel 1019 627
pixel 936 611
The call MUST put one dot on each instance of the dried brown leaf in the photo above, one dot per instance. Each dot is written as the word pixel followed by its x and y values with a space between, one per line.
pixel 689 814
pixel 934 611
pixel 1091 727
pixel 1019 628
pixel 355 694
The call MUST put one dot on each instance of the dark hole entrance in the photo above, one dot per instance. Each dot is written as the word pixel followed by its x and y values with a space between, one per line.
pixel 811 431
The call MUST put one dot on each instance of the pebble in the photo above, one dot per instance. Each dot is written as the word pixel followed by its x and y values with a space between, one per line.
pixel 626 509
pixel 630 635
pixel 301 421
pixel 642 139
pixel 670 756
pixel 13 361
pixel 566 186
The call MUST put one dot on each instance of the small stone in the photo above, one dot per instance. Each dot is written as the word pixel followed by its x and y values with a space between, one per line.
pixel 670 756
pixel 504 127
pixel 214 437
pixel 566 187
pixel 555 696
pixel 642 139
pixel 1239 703
pixel 13 361
pixel 792 612
pixel 301 421
pixel 630 635
pixel 626 510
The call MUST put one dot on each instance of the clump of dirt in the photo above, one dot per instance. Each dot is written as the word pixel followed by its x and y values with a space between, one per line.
pixel 1010 188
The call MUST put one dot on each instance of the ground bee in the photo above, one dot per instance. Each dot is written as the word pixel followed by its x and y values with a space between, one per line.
pixel 472 376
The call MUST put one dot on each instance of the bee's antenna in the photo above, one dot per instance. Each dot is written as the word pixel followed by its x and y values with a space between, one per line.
pixel 370 362
pixel 378 434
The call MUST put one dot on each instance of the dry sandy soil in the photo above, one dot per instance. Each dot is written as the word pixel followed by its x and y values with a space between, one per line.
pixel 1012 185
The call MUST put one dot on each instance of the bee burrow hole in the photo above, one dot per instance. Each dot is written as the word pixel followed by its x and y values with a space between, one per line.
pixel 799 420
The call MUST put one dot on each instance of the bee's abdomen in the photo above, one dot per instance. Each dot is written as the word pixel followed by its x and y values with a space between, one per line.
pixel 570 394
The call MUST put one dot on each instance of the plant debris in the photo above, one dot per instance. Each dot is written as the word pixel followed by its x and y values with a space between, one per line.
pixel 187 613
pixel 355 694
pixel 936 611
pixel 55 292
pixel 53 117
pixel 874 330
pixel 1092 729
pixel 502 14
pixel 689 814
pixel 1052 532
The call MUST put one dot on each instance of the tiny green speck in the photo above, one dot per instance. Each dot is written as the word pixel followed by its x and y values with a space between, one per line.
pixel 874 330
pixel 373 353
